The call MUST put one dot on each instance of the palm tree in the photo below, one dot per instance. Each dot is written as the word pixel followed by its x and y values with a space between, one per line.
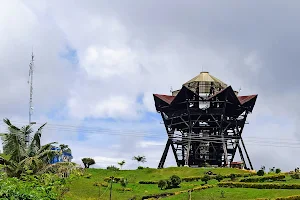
pixel 139 159
pixel 121 163
pixel 23 158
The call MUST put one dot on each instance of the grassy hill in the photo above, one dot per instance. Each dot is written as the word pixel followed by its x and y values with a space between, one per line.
pixel 84 187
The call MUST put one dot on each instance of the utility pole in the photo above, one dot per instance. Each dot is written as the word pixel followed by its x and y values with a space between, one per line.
pixel 30 82
pixel 111 182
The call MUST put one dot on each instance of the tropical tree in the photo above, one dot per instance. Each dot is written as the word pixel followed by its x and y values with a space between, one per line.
pixel 88 162
pixel 121 163
pixel 24 158
pixel 139 159
pixel 65 148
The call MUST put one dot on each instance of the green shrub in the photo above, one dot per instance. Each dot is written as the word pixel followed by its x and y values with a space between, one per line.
pixel 232 177
pixel 169 184
pixel 162 184
pixel 219 177
pixel 175 181
pixel 276 177
pixel 45 186
pixel 148 182
pixel 156 196
pixel 260 172
pixel 295 176
pixel 202 187
pixel 140 167
pixel 123 182
pixel 277 171
pixel 294 197
pixel 259 185
pixel 192 178
pixel 113 168
pixel 205 178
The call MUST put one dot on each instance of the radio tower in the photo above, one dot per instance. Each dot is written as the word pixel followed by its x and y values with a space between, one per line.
pixel 30 81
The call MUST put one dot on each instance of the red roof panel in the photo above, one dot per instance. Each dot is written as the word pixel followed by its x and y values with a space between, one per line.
pixel 166 98
pixel 244 99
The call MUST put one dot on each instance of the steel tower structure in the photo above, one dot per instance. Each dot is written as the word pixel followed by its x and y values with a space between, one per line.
pixel 204 121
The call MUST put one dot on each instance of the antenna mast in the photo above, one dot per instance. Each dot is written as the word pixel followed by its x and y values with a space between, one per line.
pixel 30 81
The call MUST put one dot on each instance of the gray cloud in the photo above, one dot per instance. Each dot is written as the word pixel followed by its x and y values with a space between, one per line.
pixel 146 47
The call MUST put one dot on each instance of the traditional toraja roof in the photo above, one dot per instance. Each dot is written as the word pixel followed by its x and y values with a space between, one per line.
pixel 204 81
pixel 169 99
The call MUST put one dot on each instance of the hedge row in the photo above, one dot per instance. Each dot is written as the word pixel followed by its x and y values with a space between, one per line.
pixel 197 178
pixel 202 187
pixel 294 197
pixel 259 185
pixel 276 177
pixel 166 194
pixel 148 182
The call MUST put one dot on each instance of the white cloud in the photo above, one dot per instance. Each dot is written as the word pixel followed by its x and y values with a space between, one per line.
pixel 146 144
pixel 121 60
pixel 106 62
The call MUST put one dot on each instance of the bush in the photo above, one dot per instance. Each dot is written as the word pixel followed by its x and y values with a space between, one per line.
pixel 140 167
pixel 205 178
pixel 156 196
pixel 277 171
pixel 175 180
pixel 260 172
pixel 294 197
pixel 45 186
pixel 100 184
pixel 264 178
pixel 148 182
pixel 295 176
pixel 232 177
pixel 123 182
pixel 192 178
pixel 162 184
pixel 259 185
pixel 113 168
pixel 219 177
pixel 202 187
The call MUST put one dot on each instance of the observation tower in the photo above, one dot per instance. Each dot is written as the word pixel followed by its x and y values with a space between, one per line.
pixel 204 121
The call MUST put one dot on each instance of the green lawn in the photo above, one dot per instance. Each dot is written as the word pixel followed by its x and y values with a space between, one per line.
pixel 83 188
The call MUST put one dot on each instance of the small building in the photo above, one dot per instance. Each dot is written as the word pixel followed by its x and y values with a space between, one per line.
pixel 238 165
pixel 63 157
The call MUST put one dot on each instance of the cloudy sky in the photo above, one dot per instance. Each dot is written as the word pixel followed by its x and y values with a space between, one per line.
pixel 97 64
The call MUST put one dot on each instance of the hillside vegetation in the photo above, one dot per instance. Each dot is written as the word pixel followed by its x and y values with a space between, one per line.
pixel 95 185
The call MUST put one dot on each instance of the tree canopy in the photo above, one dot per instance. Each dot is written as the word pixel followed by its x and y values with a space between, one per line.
pixel 22 157
pixel 88 162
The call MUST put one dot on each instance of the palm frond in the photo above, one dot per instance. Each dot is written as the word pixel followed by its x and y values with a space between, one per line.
pixel 9 124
